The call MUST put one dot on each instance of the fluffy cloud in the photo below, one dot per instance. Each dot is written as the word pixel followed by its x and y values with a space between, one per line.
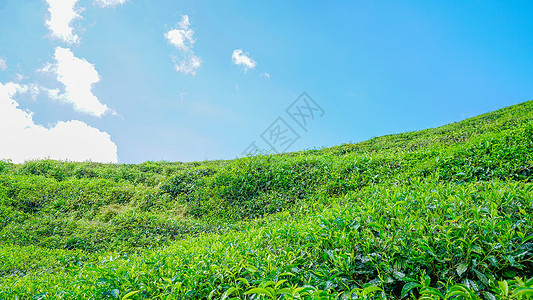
pixel 182 38
pixel 78 76
pixel 3 64
pixel 188 65
pixel 22 139
pixel 109 3
pixel 243 59
pixel 62 13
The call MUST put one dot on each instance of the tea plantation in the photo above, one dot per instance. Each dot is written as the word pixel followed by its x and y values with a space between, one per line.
pixel 443 213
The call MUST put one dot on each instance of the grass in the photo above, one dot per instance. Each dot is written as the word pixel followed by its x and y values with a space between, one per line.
pixel 434 214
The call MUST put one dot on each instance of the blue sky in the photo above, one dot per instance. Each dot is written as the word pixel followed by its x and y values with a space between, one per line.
pixel 133 80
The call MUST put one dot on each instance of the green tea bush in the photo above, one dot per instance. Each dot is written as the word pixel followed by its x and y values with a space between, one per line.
pixel 443 213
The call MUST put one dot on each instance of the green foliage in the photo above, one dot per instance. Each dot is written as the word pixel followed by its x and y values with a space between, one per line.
pixel 444 213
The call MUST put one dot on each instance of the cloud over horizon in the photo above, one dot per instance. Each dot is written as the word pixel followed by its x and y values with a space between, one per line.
pixel 23 140
pixel 77 76
pixel 182 38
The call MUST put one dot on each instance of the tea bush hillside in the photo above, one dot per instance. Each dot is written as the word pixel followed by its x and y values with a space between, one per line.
pixel 442 213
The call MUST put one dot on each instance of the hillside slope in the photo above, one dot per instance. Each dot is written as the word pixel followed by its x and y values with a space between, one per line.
pixel 433 212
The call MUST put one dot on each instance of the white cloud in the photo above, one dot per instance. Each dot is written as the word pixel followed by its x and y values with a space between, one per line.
pixel 243 59
pixel 78 76
pixel 62 14
pixel 109 3
pixel 267 75
pixel 182 38
pixel 20 77
pixel 22 139
pixel 3 64
pixel 189 65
